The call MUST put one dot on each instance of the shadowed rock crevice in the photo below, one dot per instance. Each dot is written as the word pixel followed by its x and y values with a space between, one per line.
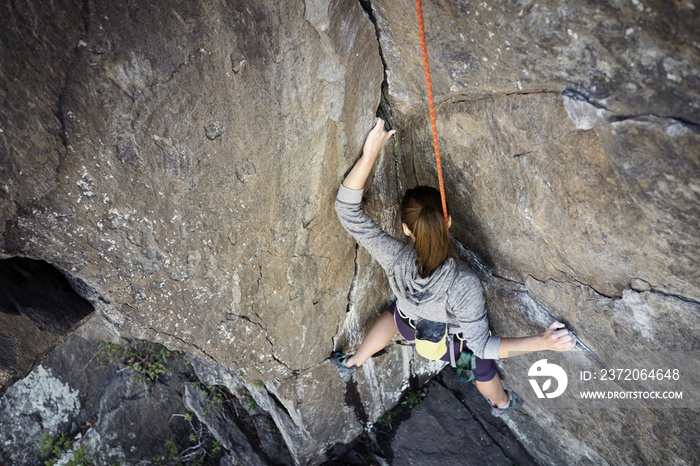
pixel 367 6
pixel 38 310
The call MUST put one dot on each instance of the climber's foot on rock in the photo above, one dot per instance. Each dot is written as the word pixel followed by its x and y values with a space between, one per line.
pixel 338 359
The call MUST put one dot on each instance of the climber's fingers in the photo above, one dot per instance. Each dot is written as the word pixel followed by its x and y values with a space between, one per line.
pixel 376 138
pixel 555 325
pixel 559 338
pixel 565 342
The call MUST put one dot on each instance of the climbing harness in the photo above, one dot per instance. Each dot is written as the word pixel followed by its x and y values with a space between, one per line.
pixel 431 106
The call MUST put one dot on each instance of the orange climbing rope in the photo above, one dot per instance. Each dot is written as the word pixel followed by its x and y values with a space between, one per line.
pixel 429 84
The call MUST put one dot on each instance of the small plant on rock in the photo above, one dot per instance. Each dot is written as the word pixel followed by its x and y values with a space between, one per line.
pixel 203 446
pixel 386 419
pixel 249 403
pixel 413 399
pixel 60 449
pixel 147 360
pixel 216 395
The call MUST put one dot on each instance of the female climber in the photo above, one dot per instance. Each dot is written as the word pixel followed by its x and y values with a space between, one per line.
pixel 429 282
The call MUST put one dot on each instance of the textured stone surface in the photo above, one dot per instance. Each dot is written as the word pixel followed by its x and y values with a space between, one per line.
pixel 209 245
pixel 631 57
pixel 451 424
pixel 538 197
pixel 569 134
pixel 104 410
pixel 38 309
pixel 222 426
pixel 180 164
pixel 39 397
pixel 442 430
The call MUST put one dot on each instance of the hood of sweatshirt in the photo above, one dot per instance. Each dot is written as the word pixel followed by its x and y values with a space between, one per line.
pixel 419 291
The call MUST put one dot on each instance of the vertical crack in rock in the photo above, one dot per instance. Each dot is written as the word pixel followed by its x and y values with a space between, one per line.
pixel 355 279
pixel 354 400
pixel 385 111
pixel 367 6
pixel 352 291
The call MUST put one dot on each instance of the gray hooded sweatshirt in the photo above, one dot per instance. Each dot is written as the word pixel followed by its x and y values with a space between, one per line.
pixel 452 294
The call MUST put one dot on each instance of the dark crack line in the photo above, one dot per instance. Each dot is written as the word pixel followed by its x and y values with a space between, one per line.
pixel 574 280
pixel 248 319
pixel 692 126
pixel 279 405
pixel 272 352
pixel 294 372
pixel 575 95
pixel 367 6
pixel 671 295
pixel 462 98
pixel 266 334
pixel 572 94
pixel 355 278
pixel 350 298
pixel 384 110
pixel 183 341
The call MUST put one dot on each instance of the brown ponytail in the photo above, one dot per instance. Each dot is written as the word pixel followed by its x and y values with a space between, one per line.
pixel 421 211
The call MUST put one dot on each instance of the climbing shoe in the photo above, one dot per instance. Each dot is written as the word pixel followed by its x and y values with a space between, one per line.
pixel 514 402
pixel 338 359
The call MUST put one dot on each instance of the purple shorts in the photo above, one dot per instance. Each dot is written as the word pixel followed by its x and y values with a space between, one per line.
pixel 485 368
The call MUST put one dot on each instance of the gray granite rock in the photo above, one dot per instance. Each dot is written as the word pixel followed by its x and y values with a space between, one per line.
pixel 441 430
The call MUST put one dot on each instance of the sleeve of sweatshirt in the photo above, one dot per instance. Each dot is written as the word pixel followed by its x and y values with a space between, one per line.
pixel 382 246
pixel 469 306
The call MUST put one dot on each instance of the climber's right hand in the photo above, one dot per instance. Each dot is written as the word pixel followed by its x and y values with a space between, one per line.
pixel 558 338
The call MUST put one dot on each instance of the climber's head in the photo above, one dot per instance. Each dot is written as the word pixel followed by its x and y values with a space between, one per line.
pixel 424 223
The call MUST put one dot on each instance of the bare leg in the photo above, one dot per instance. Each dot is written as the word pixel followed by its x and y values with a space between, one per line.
pixel 493 390
pixel 379 335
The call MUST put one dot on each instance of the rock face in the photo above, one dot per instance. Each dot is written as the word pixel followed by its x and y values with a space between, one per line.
pixel 182 163
pixel 631 58
pixel 38 309
pixel 569 134
pixel 191 164
pixel 179 165
pixel 106 412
